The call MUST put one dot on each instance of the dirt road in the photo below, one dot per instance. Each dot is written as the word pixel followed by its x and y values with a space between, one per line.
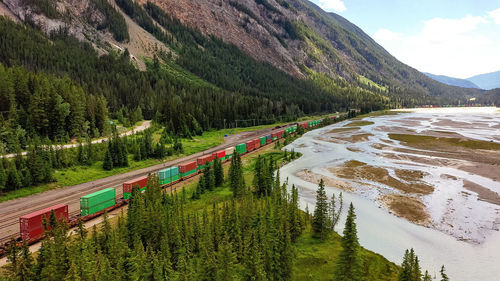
pixel 144 125
pixel 10 211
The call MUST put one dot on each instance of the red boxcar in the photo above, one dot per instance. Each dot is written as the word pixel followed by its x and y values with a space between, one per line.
pixel 256 143
pixel 141 182
pixel 204 159
pixel 219 154
pixel 278 134
pixel 187 166
pixel 31 225
pixel 250 145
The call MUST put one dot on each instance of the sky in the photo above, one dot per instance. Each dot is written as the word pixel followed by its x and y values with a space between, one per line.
pixel 457 38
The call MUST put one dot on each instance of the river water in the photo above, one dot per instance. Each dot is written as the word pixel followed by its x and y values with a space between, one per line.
pixel 384 233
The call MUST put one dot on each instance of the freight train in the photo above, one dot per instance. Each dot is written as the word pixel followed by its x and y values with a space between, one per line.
pixel 32 228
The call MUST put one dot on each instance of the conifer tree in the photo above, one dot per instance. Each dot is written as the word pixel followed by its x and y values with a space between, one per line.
pixel 226 259
pixel 320 223
pixel 444 277
pixel 218 172
pixel 108 161
pixel 236 179
pixel 349 263
pixel 426 277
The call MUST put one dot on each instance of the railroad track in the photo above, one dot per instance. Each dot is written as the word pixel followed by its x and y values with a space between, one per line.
pixel 10 211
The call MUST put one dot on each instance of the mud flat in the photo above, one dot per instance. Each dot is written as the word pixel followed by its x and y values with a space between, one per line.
pixel 427 179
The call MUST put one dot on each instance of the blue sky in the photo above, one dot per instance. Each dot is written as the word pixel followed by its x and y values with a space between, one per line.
pixel 458 38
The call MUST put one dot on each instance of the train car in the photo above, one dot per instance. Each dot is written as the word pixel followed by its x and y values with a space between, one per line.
pixel 174 174
pixel 31 225
pixel 141 182
pixel 204 160
pixel 221 154
pixel 250 145
pixel 304 125
pixel 269 138
pixel 256 143
pixel 262 141
pixel 229 152
pixel 241 148
pixel 187 169
pixel 164 176
pixel 279 134
pixel 97 201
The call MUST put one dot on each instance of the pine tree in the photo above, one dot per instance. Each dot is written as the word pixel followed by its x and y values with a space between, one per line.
pixel 321 222
pixel 444 277
pixel 218 172
pixel 108 161
pixel 426 277
pixel 349 263
pixel 226 259
pixel 236 179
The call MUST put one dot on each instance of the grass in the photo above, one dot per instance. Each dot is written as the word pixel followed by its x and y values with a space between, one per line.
pixel 363 80
pixel 316 259
pixel 426 141
pixel 377 113
pixel 359 124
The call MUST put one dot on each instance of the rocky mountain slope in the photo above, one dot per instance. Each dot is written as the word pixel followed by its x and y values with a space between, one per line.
pixel 294 36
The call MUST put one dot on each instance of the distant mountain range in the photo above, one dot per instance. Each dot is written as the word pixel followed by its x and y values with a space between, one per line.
pixel 464 83
pixel 485 81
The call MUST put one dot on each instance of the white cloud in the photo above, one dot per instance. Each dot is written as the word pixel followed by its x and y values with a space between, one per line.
pixel 331 5
pixel 454 47
pixel 495 15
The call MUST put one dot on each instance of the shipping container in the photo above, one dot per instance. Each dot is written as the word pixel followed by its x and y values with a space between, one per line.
pixel 256 143
pixel 229 152
pixel 204 160
pixel 164 176
pixel 221 154
pixel 304 125
pixel 269 138
pixel 187 168
pixel 129 185
pixel 280 133
pixel 31 225
pixel 250 145
pixel 241 148
pixel 174 173
pixel 97 201
pixel 263 140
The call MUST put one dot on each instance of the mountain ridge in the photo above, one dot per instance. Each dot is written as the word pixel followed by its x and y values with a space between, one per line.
pixel 487 81
pixel 464 83
pixel 294 36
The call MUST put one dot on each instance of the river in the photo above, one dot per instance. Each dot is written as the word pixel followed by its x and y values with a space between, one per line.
pixel 462 232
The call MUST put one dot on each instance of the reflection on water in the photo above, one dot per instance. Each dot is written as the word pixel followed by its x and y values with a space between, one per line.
pixel 453 213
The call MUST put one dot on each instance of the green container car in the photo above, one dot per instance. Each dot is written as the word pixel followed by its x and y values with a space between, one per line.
pixel 263 140
pixel 241 148
pixel 97 201
pixel 164 176
pixel 174 173
pixel 188 173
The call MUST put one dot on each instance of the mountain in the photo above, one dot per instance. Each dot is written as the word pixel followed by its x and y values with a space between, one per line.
pixel 464 83
pixel 487 81
pixel 213 60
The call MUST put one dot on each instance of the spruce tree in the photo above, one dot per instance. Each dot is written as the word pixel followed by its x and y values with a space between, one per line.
pixel 218 172
pixel 320 224
pixel 349 263
pixel 444 277
pixel 108 161
pixel 236 179
pixel 426 277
